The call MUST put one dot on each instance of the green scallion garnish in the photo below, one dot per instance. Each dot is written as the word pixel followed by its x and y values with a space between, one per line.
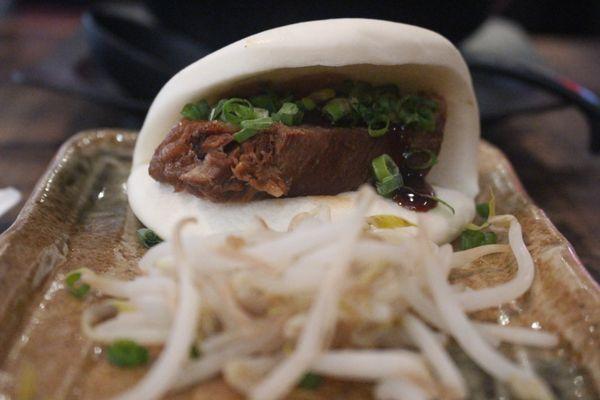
pixel 337 109
pixel 127 353
pixel 236 110
pixel 196 111
pixel 355 104
pixel 419 159
pixel 379 126
pixel 441 201
pixel 483 210
pixel 195 352
pixel 308 104
pixel 418 112
pixel 387 175
pixel 76 288
pixel 289 114
pixel 386 103
pixel 487 210
pixel 244 134
pixel 472 238
pixel 389 185
pixel 268 101
pixel 310 381
pixel 216 110
pixel 361 92
pixel 260 112
pixel 384 167
pixel 258 123
pixel 147 237
pixel 251 127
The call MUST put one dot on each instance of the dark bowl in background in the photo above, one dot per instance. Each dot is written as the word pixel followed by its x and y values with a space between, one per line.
pixel 140 58
pixel 216 23
pixel 142 54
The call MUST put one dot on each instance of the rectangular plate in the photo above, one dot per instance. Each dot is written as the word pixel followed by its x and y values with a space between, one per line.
pixel 78 216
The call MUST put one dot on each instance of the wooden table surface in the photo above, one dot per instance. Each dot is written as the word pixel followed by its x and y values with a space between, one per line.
pixel 549 151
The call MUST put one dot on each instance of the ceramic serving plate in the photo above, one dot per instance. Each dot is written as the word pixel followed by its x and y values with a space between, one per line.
pixel 78 217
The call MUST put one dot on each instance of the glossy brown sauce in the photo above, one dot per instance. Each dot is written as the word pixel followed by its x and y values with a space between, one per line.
pixel 416 195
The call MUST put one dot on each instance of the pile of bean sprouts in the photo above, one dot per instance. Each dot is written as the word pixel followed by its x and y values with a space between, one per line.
pixel 340 299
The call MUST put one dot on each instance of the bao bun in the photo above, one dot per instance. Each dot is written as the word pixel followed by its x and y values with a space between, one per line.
pixel 378 52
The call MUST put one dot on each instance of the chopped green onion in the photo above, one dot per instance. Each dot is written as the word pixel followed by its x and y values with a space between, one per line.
pixel 127 353
pixel 379 125
pixel 362 92
pixel 147 237
pixel 217 110
pixel 418 112
pixel 322 95
pixel 267 101
pixel 388 221
pixel 389 185
pixel 310 381
pixel 365 112
pixel 196 111
pixel 490 237
pixel 386 103
pixel 260 112
pixel 195 352
pixel 307 103
pixel 244 134
pixel 387 175
pixel 470 239
pixel 289 108
pixel 76 288
pixel 356 103
pixel 417 159
pixel 251 127
pixel 236 110
pixel 289 114
pixel 483 209
pixel 487 210
pixel 337 109
pixel 443 202
pixel 384 167
pixel 258 123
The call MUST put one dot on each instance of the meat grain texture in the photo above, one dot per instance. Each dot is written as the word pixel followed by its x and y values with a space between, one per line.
pixel 202 158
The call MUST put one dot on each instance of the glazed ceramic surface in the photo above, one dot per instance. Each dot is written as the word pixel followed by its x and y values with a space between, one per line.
pixel 78 216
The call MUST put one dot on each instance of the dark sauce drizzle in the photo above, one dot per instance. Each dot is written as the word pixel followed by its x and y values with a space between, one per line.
pixel 416 194
pixel 416 198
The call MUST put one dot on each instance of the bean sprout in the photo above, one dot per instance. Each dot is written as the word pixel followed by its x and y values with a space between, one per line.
pixel 332 298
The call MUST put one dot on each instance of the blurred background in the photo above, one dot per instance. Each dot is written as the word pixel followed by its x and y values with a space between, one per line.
pixel 66 66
